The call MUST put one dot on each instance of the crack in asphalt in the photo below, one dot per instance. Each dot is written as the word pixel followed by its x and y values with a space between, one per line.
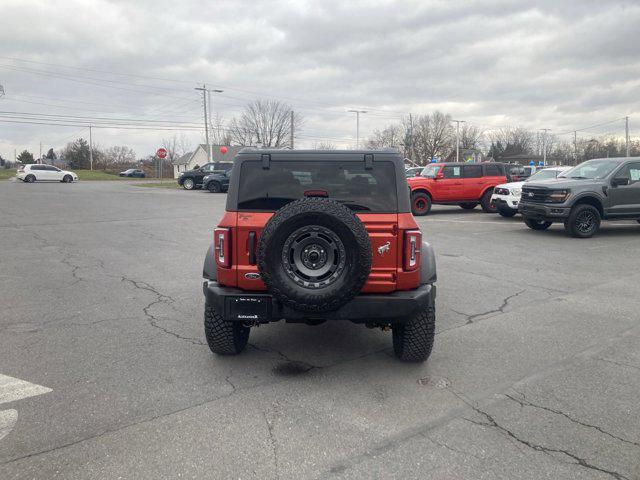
pixel 161 298
pixel 491 422
pixel 527 403
pixel 274 445
pixel 620 364
pixel 505 303
pixel 448 447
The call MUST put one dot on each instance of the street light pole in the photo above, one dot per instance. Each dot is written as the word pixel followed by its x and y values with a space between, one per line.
pixel 544 145
pixel 458 122
pixel 203 89
pixel 210 121
pixel 626 131
pixel 357 112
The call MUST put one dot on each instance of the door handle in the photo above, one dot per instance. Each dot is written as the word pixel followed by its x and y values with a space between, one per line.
pixel 252 248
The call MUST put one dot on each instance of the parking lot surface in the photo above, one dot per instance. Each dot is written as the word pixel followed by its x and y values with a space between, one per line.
pixel 105 373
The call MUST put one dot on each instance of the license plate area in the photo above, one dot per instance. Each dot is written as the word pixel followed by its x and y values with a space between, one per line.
pixel 248 308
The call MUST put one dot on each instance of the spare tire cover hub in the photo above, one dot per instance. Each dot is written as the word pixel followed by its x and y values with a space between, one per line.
pixel 313 256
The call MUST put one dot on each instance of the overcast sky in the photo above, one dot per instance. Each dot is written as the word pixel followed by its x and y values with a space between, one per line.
pixel 539 64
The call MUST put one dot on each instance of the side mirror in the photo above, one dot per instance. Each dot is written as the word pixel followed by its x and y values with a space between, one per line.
pixel 620 181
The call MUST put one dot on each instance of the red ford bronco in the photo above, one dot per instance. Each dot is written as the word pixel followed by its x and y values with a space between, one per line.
pixel 311 236
pixel 464 184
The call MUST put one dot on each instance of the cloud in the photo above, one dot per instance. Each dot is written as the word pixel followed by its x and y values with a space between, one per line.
pixel 555 64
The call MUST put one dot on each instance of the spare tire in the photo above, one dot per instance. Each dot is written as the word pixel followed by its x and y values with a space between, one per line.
pixel 314 255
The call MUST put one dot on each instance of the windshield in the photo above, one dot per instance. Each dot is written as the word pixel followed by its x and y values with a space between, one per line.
pixel 591 170
pixel 346 182
pixel 430 171
pixel 543 175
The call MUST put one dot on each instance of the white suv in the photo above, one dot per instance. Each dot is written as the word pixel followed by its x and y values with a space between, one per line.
pixel 44 173
pixel 507 196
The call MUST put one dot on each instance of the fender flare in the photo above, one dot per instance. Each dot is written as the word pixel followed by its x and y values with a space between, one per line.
pixel 428 272
pixel 210 269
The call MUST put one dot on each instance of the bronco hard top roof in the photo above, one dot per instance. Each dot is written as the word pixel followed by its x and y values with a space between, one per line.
pixel 368 157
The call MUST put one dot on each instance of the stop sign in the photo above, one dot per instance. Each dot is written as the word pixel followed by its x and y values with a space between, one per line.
pixel 161 153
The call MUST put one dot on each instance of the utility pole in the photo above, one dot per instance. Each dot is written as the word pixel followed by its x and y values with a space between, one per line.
pixel 544 145
pixel 575 147
pixel 292 126
pixel 90 149
pixel 41 152
pixel 626 131
pixel 203 89
pixel 458 122
pixel 357 112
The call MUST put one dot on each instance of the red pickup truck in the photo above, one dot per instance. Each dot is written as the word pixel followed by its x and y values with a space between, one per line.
pixel 464 184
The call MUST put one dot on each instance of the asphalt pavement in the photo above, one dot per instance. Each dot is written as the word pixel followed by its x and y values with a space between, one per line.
pixel 105 373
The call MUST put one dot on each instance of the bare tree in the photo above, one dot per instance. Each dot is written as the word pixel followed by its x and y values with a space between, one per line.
pixel 390 136
pixel 176 146
pixel 515 140
pixel 266 123
pixel 433 136
pixel 220 135
pixel 470 136
pixel 119 155
pixel 324 146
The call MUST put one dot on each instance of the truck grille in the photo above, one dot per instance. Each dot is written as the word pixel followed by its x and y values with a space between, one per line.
pixel 537 195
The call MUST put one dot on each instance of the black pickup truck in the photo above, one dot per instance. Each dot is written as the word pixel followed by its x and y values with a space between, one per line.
pixel 599 189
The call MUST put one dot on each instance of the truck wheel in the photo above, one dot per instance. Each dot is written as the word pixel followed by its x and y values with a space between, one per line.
pixel 535 224
pixel 507 212
pixel 314 255
pixel 188 184
pixel 214 187
pixel 420 204
pixel 583 221
pixel 224 338
pixel 413 339
pixel 485 202
pixel 468 206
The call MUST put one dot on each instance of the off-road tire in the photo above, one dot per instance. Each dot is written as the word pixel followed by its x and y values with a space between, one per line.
pixel 485 202
pixel 328 214
pixel 224 338
pixel 188 184
pixel 507 212
pixel 420 204
pixel 573 223
pixel 67 179
pixel 29 179
pixel 413 339
pixel 214 187
pixel 535 224
pixel 468 206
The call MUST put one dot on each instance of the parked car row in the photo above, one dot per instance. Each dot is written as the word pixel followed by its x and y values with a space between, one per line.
pixel 206 177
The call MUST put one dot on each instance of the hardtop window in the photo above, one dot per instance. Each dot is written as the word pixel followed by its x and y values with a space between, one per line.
pixel 430 171
pixel 346 182
pixel 493 170
pixel 472 171
pixel 450 171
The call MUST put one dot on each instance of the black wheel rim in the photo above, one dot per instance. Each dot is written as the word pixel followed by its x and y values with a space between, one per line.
pixel 420 204
pixel 313 256
pixel 585 221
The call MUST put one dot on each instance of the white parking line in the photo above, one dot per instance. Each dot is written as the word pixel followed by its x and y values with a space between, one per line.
pixel 12 389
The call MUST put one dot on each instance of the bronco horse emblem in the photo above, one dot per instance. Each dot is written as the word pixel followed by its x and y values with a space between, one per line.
pixel 384 248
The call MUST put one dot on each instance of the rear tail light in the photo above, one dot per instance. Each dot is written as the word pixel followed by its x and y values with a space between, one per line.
pixel 222 246
pixel 412 242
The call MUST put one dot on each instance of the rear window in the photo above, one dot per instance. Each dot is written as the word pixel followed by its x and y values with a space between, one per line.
pixel 346 182
pixel 494 171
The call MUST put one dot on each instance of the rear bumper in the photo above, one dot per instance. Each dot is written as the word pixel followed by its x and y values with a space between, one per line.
pixel 375 308
pixel 539 211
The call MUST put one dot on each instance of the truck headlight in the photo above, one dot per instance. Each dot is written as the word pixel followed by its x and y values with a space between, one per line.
pixel 558 196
